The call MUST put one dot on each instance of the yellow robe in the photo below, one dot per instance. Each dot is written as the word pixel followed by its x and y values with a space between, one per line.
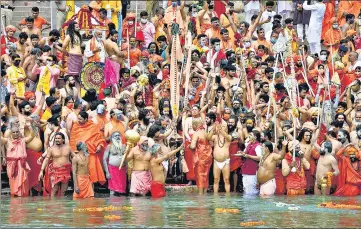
pixel 117 7
pixel 13 74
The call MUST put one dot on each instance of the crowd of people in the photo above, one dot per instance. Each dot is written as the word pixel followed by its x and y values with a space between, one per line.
pixel 265 96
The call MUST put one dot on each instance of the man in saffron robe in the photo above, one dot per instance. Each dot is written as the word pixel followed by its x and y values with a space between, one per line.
pixel 349 180
pixel 86 131
pixel 94 48
pixel 83 187
pixel 329 14
pixel 347 7
pixel 202 155
pixel 333 36
pixel 295 181
pixel 118 123
pixel 17 167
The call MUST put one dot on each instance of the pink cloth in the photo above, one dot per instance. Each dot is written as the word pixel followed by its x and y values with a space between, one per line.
pixel 75 64
pixel 111 72
pixel 141 182
pixel 148 32
pixel 118 180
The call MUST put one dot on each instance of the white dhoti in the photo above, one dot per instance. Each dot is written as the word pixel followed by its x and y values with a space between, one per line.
pixel 250 184
pixel 268 188
pixel 222 164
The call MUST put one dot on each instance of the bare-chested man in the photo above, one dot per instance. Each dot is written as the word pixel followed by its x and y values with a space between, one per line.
pixel 28 66
pixel 112 48
pixel 355 137
pixel 30 29
pixel 267 168
pixel 83 186
pixel 325 165
pixel 73 116
pixel 60 168
pixel 157 169
pixel 21 44
pixel 69 89
pixel 222 141
pixel 73 45
pixel 112 158
pixel 141 176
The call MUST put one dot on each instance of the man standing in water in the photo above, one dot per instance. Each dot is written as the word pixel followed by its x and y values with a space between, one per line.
pixel 83 187
pixel 117 177
pixel 60 168
pixel 141 177
pixel 221 140
pixel 157 169
pixel 203 155
pixel 267 168
pixel 325 165
pixel 73 41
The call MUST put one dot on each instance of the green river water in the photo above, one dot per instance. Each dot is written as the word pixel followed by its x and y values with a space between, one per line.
pixel 179 210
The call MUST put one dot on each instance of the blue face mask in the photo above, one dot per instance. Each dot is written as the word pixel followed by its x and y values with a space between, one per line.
pixel 273 40
pixel 174 4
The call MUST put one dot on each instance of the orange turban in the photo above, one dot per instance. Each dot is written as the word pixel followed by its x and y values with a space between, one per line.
pixel 28 95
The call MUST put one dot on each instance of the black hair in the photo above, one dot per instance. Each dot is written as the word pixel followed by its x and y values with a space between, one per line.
pixel 153 129
pixel 269 145
pixel 143 13
pixel 50 101
pixel 257 134
pixel 212 116
pixel 56 109
pixel 34 36
pixel 84 114
pixel 23 35
pixel 35 9
pixel 29 19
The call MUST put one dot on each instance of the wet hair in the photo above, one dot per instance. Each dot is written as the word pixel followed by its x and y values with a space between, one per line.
pixel 71 32
pixel 29 19
pixel 257 134
pixel 23 35
pixel 212 116
pixel 153 129
pixel 267 134
pixel 302 134
pixel 34 36
pixel 56 109
pixel 142 114
pixel 269 145
pixel 84 114
pixel 54 32
pixel 50 101
pixel 60 134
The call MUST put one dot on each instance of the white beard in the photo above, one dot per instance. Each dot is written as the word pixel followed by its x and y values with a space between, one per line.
pixel 116 147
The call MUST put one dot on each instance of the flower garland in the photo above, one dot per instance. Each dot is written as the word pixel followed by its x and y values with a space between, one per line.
pixel 112 217
pixel 227 210
pixel 103 209
pixel 251 224
pixel 333 205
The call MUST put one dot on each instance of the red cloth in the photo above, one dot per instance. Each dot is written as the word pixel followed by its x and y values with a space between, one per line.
pixel 46 181
pixel 297 180
pixel 202 163
pixel 348 181
pixel 32 158
pixel 280 182
pixel 3 45
pixel 323 132
pixel 59 174
pixel 188 156
pixel 236 162
pixel 157 189
pixel 310 174
pixel 249 166
pixel 219 7
pixel 118 180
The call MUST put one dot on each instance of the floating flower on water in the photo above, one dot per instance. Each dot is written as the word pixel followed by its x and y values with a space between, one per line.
pixel 251 224
pixel 339 206
pixel 227 210
pixel 179 217
pixel 104 209
pixel 40 209
pixel 112 217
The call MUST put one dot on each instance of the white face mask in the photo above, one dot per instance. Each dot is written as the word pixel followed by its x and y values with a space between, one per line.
pixel 335 26
pixel 247 44
pixel 144 20
pixel 323 57
pixel 217 48
pixel 194 14
pixel 130 22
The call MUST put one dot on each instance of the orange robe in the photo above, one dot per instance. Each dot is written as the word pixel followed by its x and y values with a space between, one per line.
pixel 329 13
pixel 350 7
pixel 17 167
pixel 280 182
pixel 93 46
pixel 188 157
pixel 93 137
pixel 333 37
pixel 296 182
pixel 118 126
pixel 310 174
pixel 85 187
pixel 349 180
pixel 202 163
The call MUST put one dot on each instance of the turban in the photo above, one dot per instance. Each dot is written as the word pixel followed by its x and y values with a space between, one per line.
pixel 349 150
pixel 134 69
pixel 142 139
pixel 10 28
pixel 290 144
pixel 28 95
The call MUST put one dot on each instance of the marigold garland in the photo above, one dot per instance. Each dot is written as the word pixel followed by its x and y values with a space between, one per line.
pixel 103 209
pixel 333 205
pixel 112 217
pixel 226 210
pixel 329 179
pixel 251 224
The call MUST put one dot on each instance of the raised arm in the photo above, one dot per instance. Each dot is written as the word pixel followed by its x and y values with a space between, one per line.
pixel 162 158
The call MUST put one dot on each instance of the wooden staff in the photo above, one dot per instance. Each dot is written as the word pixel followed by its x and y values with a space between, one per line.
pixel 174 87
pixel 305 73
pixel 272 84
pixel 188 65
pixel 128 48
pixel 243 75
pixel 136 15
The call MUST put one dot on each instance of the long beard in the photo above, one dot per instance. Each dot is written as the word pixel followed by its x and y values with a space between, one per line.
pixel 249 128
pixel 116 147
pixel 231 128
pixel 322 152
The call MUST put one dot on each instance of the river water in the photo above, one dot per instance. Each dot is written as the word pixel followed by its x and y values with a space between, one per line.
pixel 179 210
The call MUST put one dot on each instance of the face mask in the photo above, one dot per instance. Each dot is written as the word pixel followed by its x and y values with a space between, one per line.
pixel 323 57
pixel 174 4
pixel 202 43
pixel 217 48
pixel 335 26
pixel 352 21
pixel 49 63
pixel 195 58
pixel 70 105
pixel 260 54
pixel 143 20
pixel 119 116
pixel 194 14
pixel 17 63
pixel 247 44
pixel 151 51
pixel 130 22
pixel 273 40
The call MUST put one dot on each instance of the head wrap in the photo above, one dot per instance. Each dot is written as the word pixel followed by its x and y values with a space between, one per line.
pixel 142 139
pixel 28 95
pixel 10 28
pixel 100 109
pixel 134 69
